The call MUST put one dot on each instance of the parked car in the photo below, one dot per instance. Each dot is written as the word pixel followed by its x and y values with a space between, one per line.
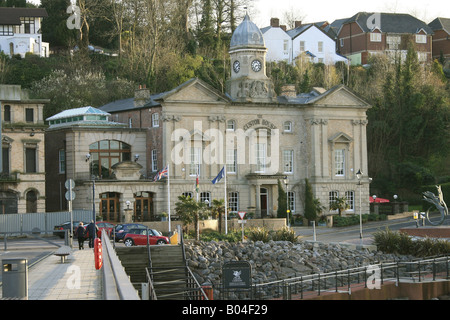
pixel 60 230
pixel 138 237
pixel 104 225
pixel 122 229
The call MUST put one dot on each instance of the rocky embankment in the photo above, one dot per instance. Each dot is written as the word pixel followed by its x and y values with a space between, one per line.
pixel 277 260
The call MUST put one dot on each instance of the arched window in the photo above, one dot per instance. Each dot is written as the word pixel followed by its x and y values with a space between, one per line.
pixel 31 201
pixel 105 154
pixel 231 125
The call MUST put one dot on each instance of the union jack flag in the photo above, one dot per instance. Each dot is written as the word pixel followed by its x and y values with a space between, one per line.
pixel 161 174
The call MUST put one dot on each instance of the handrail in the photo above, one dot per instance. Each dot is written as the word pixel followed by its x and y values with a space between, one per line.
pixel 429 269
pixel 152 293
pixel 117 285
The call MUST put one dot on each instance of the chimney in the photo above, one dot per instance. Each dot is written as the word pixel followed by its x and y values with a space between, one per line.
pixel 298 24
pixel 283 27
pixel 288 90
pixel 275 22
pixel 141 96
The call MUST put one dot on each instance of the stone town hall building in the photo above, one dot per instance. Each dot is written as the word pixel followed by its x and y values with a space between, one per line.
pixel 196 130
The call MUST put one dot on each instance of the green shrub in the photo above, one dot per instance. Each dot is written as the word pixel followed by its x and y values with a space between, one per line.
pixel 396 242
pixel 284 234
pixel 258 234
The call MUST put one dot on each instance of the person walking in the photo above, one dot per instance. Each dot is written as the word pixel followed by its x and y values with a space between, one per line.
pixel 80 232
pixel 92 230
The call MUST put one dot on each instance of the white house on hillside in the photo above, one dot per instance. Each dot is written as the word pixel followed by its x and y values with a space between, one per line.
pixel 277 41
pixel 307 39
pixel 20 31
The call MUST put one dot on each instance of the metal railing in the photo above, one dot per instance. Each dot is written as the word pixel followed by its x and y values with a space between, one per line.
pixel 190 289
pixel 116 283
pixel 344 281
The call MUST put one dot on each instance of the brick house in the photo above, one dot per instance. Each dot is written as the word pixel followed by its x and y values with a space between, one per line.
pixel 441 38
pixel 366 34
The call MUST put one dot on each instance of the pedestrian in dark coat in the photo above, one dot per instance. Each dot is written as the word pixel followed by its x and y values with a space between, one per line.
pixel 92 230
pixel 80 233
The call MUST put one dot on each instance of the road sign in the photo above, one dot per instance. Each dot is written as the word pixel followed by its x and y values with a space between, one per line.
pixel 69 184
pixel 241 214
pixel 70 195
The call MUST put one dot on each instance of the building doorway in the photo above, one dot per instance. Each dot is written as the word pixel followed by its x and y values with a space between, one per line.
pixel 264 198
pixel 143 207
pixel 110 206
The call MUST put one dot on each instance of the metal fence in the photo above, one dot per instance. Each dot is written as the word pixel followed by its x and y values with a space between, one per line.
pixel 20 223
pixel 344 281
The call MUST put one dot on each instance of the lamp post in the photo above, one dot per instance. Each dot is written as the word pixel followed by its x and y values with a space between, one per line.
pixel 359 175
pixel 91 173
pixel 286 181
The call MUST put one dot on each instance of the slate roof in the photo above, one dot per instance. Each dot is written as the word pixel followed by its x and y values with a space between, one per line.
pixel 440 24
pixel 391 22
pixel 11 16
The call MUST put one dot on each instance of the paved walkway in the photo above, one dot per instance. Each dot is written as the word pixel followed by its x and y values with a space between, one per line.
pixel 76 279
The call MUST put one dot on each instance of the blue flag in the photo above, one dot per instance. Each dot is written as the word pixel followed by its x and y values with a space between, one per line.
pixel 219 176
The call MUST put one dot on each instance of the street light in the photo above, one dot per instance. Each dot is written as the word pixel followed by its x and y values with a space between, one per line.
pixel 359 175
pixel 286 181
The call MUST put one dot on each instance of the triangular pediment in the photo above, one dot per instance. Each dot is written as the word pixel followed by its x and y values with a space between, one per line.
pixel 340 137
pixel 340 96
pixel 194 91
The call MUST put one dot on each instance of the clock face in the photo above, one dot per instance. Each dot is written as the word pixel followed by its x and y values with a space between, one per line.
pixel 236 66
pixel 256 65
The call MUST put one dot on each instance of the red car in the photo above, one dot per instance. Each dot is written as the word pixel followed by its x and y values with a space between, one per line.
pixel 104 225
pixel 138 237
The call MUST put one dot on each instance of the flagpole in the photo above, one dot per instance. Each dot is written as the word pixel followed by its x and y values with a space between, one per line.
pixel 168 195
pixel 226 199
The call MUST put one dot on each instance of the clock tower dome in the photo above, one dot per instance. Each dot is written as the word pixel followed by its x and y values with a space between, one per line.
pixel 249 82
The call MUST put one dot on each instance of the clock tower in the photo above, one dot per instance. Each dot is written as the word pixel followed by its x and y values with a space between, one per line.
pixel 249 82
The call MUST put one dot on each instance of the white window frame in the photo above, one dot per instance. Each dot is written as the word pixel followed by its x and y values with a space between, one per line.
pixel 320 46
pixel 205 195
pixel 196 161
pixel 291 200
pixel 231 125
pixel 231 160
pixel 339 162
pixel 332 195
pixel 154 160
pixel 302 46
pixel 421 38
pixel 155 120
pixel 375 37
pixel 260 154
pixel 350 196
pixel 287 126
pixel 233 201
pixel 288 161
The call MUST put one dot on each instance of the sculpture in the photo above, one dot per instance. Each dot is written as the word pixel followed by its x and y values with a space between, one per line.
pixel 438 202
